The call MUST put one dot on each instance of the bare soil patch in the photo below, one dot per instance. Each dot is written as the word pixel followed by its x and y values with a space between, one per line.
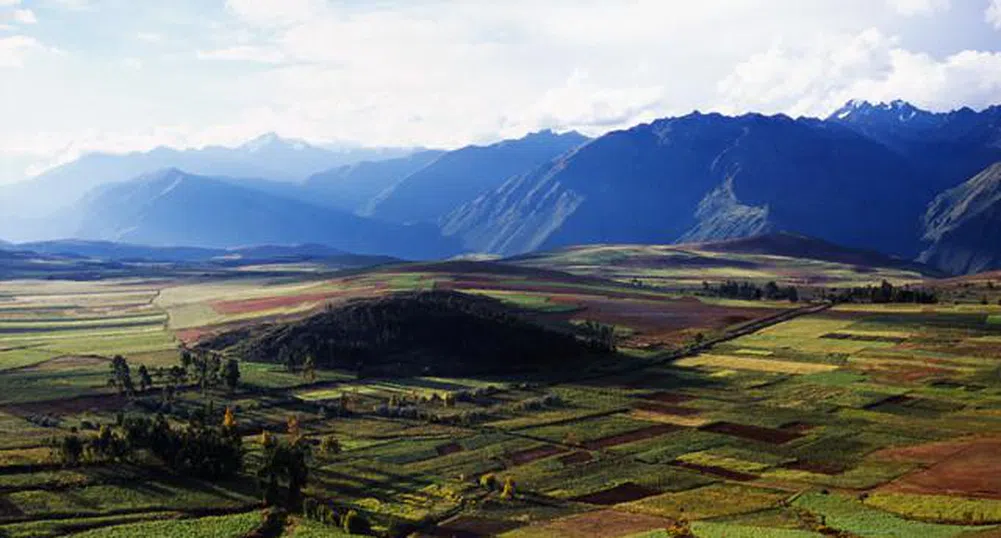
pixel 629 437
pixel 532 454
pixel 68 406
pixel 972 471
pixel 667 409
pixel 450 448
pixel 581 456
pixel 622 493
pixel 604 524
pixel 472 527
pixel 668 397
pixel 754 433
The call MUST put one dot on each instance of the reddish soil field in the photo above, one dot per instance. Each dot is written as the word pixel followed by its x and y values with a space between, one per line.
pixel 629 437
pixel 926 453
pixel 450 448
pixel 622 493
pixel 240 306
pixel 969 471
pixel 754 433
pixel 603 524
pixel 666 409
pixel 580 456
pixel 472 527
pixel 668 397
pixel 715 471
pixel 527 456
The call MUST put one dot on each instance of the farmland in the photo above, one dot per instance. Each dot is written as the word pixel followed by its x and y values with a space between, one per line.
pixel 863 419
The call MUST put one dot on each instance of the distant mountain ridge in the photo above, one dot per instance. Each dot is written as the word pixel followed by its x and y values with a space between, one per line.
pixel 267 156
pixel 172 207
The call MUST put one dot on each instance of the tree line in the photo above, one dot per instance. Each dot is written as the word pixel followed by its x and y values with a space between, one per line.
pixel 750 291
pixel 885 292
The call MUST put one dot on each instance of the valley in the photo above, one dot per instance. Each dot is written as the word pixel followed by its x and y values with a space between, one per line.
pixel 708 416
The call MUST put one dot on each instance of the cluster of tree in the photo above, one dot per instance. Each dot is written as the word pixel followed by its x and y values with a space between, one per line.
pixel 599 336
pixel 491 483
pixel 751 292
pixel 430 332
pixel 350 522
pixel 284 469
pixel 196 449
pixel 206 370
pixel 883 293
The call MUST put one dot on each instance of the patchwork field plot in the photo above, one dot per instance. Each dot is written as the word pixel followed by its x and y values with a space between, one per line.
pixel 894 411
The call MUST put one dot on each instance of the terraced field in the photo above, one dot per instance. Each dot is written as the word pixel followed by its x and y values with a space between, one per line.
pixel 869 420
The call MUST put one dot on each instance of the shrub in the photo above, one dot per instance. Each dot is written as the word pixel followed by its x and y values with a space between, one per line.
pixel 489 481
pixel 354 523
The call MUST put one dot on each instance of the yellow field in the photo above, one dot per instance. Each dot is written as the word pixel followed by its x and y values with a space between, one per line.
pixel 730 362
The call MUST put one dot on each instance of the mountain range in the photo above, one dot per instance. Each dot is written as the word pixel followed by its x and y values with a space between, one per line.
pixel 888 177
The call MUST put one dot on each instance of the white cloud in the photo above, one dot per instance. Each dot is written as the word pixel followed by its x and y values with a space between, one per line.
pixel 274 13
pixel 150 37
pixel 7 3
pixel 993 14
pixel 14 50
pixel 24 16
pixel 133 63
pixel 816 79
pixel 243 53
pixel 919 7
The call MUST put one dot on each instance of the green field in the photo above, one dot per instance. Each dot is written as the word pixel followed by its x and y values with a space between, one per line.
pixel 829 422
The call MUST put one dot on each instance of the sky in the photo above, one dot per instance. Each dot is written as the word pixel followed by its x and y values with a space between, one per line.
pixel 128 75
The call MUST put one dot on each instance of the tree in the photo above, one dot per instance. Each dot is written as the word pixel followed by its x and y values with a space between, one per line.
pixel 284 463
pixel 228 419
pixel 145 381
pixel 231 374
pixel 121 376
pixel 309 368
pixel 508 492
pixel 330 445
pixel 71 449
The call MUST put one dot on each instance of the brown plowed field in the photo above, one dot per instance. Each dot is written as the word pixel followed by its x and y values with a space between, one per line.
pixel 622 493
pixel 527 456
pixel 629 437
pixel 974 470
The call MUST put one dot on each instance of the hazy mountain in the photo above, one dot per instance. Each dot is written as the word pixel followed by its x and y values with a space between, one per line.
pixel 172 207
pixel 702 177
pixel 351 187
pixel 963 225
pixel 268 156
pixel 459 176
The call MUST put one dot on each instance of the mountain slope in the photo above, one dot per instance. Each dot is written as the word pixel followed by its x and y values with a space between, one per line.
pixel 460 176
pixel 172 207
pixel 703 177
pixel 351 187
pixel 963 225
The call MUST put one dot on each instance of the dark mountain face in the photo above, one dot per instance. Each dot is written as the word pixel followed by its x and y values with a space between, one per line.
pixel 963 225
pixel 702 177
pixel 352 187
pixel 459 176
pixel 172 207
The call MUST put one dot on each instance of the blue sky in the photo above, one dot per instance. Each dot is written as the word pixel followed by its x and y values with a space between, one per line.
pixel 123 75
